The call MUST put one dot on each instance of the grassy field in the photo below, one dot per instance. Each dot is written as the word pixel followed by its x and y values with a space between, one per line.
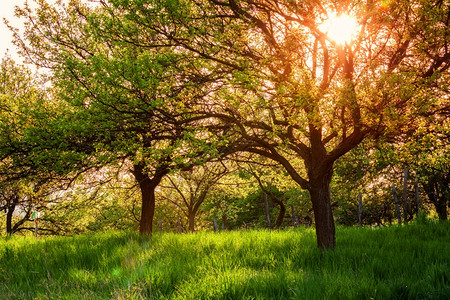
pixel 409 262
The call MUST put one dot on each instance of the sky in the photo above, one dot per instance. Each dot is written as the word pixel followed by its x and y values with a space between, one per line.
pixel 7 11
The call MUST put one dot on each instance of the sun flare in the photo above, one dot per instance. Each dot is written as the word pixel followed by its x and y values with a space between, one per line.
pixel 341 29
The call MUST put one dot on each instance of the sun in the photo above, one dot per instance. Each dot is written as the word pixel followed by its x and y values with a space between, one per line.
pixel 340 28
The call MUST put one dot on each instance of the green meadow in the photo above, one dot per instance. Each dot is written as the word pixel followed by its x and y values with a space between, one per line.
pixel 397 262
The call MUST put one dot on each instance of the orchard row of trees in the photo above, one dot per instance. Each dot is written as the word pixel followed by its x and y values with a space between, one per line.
pixel 203 103
pixel 192 200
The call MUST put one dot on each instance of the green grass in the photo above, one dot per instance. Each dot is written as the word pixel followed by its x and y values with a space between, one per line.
pixel 409 262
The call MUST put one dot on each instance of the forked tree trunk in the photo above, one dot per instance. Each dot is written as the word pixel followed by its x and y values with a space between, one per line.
pixel 193 210
pixel 323 214
pixel 438 186
pixel 147 186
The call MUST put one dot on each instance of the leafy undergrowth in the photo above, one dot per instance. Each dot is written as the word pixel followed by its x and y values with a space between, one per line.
pixel 409 262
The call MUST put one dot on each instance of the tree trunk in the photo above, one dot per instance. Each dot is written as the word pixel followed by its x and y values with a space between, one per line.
pixel 281 215
pixel 441 209
pixel 397 208
pixel 416 189
pixel 323 214
pixel 295 220
pixel 148 205
pixel 215 225
pixel 440 202
pixel 282 212
pixel 441 206
pixel 9 219
pixel 147 186
pixel 405 196
pixel 191 221
pixel 180 228
pixel 266 205
pixel 193 209
pixel 360 209
pixel 225 221
pixel 9 215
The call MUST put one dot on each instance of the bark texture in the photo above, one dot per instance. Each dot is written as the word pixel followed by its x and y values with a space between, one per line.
pixel 147 185
pixel 323 214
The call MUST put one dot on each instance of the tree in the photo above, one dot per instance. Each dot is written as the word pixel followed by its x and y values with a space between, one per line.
pixel 189 189
pixel 272 182
pixel 429 156
pixel 265 74
pixel 127 104
pixel 97 201
pixel 10 200
pixel 425 152
pixel 360 171
pixel 225 200
pixel 374 166
pixel 238 200
pixel 292 90
pixel 20 184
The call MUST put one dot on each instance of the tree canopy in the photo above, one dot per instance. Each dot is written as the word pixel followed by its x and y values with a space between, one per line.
pixel 163 83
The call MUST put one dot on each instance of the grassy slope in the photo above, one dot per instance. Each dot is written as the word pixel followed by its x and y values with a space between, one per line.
pixel 409 262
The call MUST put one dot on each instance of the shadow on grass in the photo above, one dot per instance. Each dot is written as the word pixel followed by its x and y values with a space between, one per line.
pixel 409 262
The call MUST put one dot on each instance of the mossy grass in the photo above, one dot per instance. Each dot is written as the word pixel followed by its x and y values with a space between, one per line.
pixel 396 262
